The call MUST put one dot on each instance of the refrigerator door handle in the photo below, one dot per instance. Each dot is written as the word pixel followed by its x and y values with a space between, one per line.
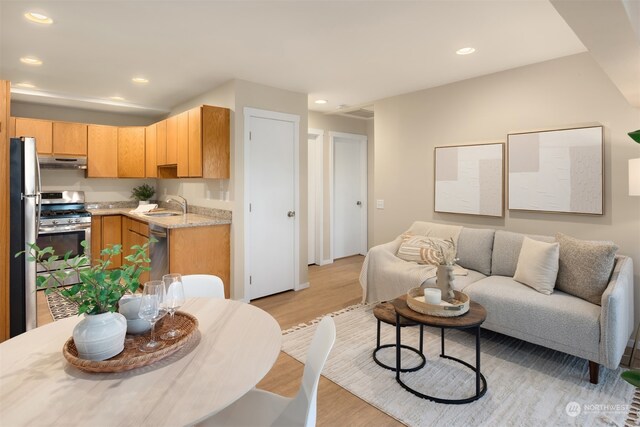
pixel 38 195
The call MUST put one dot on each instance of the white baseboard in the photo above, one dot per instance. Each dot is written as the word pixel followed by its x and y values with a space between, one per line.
pixel 301 286
pixel 326 262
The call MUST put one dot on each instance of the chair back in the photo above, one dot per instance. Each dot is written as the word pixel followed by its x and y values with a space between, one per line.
pixel 305 401
pixel 202 285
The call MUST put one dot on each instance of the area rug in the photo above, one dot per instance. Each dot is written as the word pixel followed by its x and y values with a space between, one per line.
pixel 59 307
pixel 528 385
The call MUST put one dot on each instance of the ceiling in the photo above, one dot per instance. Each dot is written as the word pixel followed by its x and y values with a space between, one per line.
pixel 348 52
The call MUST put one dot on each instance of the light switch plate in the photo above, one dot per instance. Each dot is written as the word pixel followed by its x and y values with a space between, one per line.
pixel 380 204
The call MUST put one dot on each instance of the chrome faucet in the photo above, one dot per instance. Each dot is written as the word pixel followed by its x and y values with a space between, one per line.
pixel 180 200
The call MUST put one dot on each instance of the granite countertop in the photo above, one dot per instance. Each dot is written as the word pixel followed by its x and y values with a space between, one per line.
pixel 178 221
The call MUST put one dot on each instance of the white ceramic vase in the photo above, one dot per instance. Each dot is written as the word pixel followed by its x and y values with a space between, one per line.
pixel 100 336
pixel 143 202
pixel 444 281
pixel 129 306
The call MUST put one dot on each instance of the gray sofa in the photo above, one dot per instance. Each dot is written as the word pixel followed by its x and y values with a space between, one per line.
pixel 597 333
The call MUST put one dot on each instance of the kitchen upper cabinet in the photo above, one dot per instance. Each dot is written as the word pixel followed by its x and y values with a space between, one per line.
pixel 172 141
pixel 69 138
pixel 161 143
pixel 105 231
pixel 215 134
pixel 131 152
pixel 41 130
pixel 183 144
pixel 102 151
pixel 151 144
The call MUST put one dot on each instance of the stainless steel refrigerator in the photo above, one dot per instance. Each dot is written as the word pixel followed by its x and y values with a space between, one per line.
pixel 25 185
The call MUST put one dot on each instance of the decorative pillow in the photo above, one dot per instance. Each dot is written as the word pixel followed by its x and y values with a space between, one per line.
pixel 417 249
pixel 585 267
pixel 538 265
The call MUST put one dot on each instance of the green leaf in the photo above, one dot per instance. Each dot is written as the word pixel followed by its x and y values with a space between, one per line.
pixel 632 377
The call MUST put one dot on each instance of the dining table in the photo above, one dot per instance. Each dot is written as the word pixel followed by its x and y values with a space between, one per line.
pixel 238 344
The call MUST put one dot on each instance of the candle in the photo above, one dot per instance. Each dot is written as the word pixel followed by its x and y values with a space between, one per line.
pixel 432 296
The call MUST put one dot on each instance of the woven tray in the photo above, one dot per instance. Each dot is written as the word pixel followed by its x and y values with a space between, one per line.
pixel 131 357
pixel 460 304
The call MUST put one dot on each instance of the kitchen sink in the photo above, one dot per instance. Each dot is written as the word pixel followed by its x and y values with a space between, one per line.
pixel 162 214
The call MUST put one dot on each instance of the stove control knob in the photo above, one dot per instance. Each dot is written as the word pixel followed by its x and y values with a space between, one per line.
pixel 55 221
pixel 77 220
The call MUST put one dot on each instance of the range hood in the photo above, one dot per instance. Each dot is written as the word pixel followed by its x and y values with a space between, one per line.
pixel 63 162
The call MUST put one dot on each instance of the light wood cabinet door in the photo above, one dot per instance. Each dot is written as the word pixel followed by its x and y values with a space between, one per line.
pixel 96 238
pixel 183 144
pixel 112 235
pixel 131 152
pixel 172 140
pixel 151 165
pixel 102 151
pixel 201 250
pixel 41 130
pixel 216 142
pixel 195 142
pixel 69 138
pixel 161 142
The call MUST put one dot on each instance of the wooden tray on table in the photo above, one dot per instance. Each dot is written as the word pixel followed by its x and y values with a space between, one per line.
pixel 131 357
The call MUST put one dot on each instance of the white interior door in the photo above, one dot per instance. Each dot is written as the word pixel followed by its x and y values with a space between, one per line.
pixel 271 165
pixel 349 196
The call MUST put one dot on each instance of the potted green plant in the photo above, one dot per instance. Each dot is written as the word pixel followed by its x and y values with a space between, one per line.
pixel 100 335
pixel 143 193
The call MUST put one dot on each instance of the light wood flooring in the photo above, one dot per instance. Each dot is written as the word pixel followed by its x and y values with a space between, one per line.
pixel 332 287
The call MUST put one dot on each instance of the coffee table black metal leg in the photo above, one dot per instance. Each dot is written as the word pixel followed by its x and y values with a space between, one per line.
pixel 422 339
pixel 442 342
pixel 478 361
pixel 378 335
pixel 398 343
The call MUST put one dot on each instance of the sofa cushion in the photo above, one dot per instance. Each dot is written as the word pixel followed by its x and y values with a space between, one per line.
pixel 460 282
pixel 416 248
pixel 474 249
pixel 585 267
pixel 520 311
pixel 538 265
pixel 506 250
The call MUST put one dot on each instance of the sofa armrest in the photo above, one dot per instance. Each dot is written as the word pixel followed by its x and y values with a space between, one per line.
pixel 616 317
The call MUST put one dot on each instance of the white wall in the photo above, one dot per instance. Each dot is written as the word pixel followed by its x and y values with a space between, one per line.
pixel 334 123
pixel 561 93
pixel 236 95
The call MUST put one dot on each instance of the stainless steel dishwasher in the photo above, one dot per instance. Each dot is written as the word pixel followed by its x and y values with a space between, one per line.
pixel 159 252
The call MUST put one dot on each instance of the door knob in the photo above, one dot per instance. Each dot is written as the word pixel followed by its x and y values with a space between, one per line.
pixel 291 214
pixel 359 203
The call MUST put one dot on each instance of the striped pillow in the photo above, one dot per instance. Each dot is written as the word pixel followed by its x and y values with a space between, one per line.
pixel 416 249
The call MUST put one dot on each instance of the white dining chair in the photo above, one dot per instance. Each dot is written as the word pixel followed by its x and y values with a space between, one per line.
pixel 202 285
pixel 262 408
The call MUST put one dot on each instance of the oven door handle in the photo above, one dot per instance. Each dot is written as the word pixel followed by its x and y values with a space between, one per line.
pixel 64 229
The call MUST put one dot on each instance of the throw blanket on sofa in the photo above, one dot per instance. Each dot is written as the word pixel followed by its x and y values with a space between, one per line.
pixel 384 276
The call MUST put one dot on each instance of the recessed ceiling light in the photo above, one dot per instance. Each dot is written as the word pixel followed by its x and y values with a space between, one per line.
pixel 38 18
pixel 140 80
pixel 465 51
pixel 30 60
pixel 25 85
pixel 321 101
pixel 117 98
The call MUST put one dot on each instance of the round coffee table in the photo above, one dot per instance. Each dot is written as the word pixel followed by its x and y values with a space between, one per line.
pixel 470 320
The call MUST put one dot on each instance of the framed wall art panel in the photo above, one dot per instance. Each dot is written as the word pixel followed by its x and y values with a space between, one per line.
pixel 469 179
pixel 557 171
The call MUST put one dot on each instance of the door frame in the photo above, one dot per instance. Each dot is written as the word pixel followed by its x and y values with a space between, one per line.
pixel 362 140
pixel 249 112
pixel 318 147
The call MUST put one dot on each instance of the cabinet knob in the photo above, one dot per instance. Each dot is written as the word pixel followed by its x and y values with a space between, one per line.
pixel 291 214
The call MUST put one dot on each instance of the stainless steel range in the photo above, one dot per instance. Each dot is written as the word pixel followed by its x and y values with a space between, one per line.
pixel 64 224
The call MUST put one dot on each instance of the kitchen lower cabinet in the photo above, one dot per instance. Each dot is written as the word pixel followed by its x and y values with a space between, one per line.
pixel 135 232
pixel 106 230
pixel 201 250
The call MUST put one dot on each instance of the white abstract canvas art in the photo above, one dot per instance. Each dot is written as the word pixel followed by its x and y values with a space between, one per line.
pixel 557 171
pixel 469 179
